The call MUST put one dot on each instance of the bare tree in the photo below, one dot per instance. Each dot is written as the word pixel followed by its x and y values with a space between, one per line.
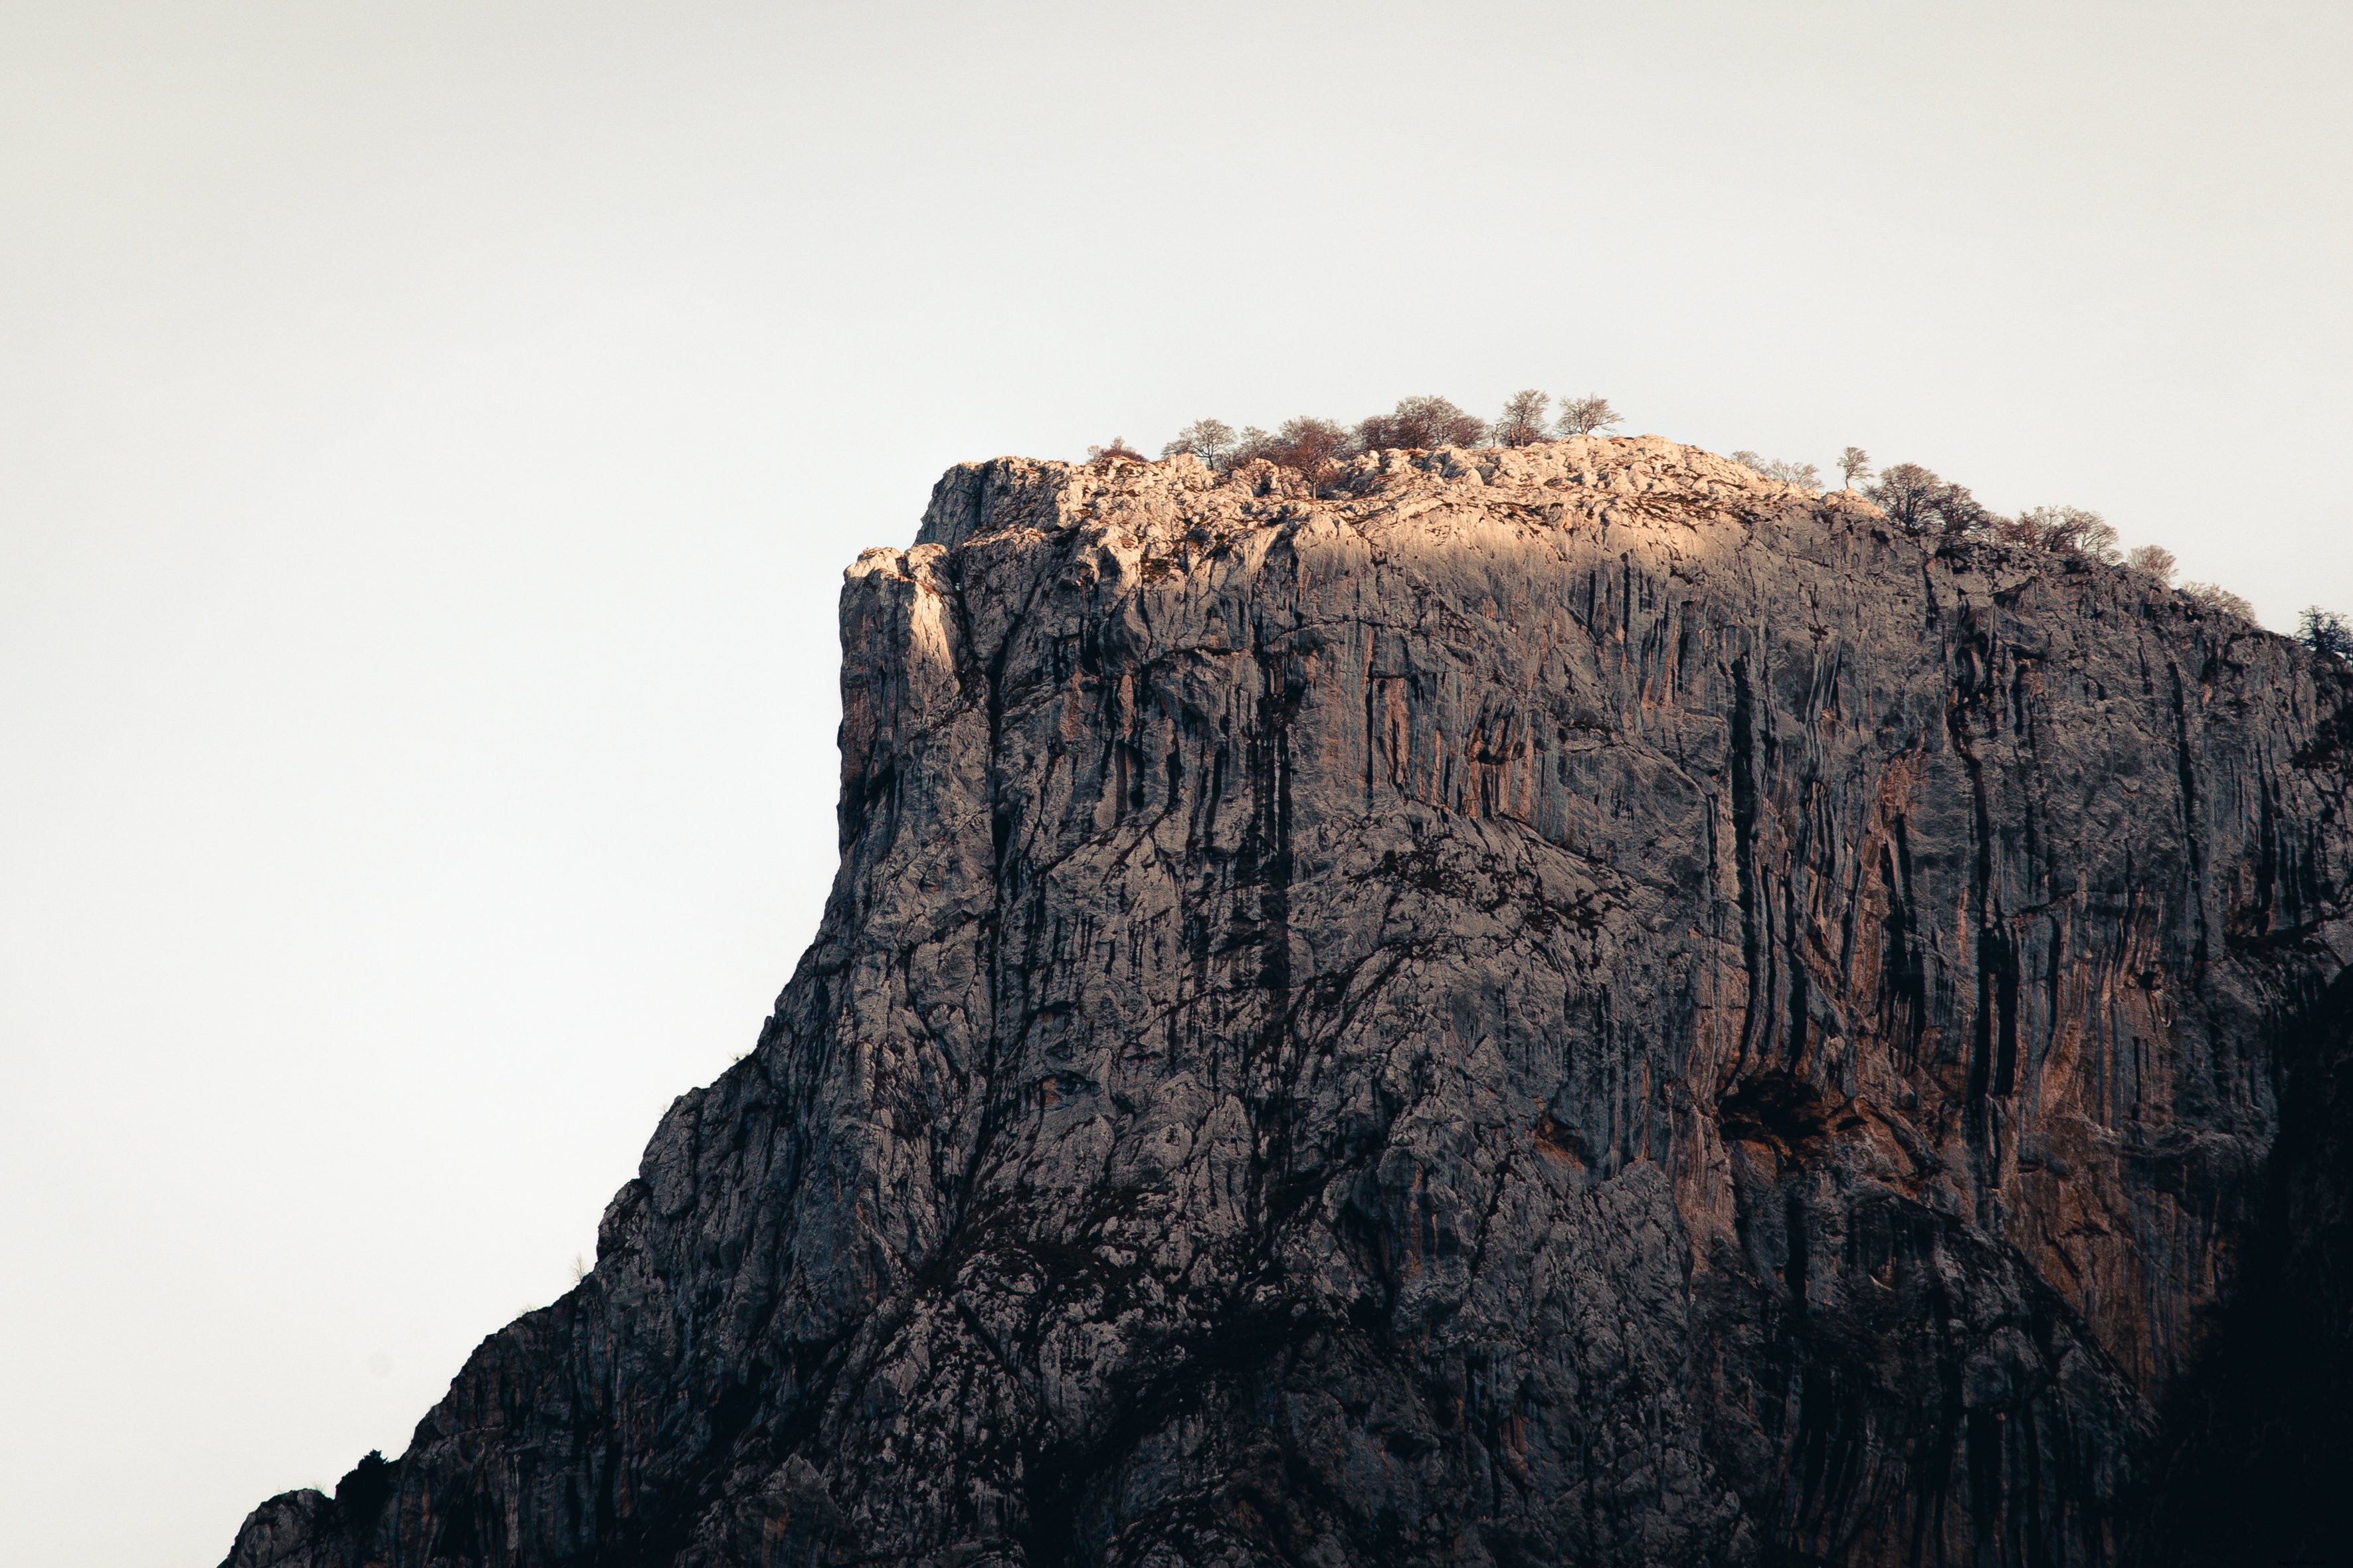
pixel 1856 464
pixel 2065 531
pixel 2215 600
pixel 1907 493
pixel 1118 448
pixel 1211 440
pixel 1958 513
pixel 1424 423
pixel 2154 559
pixel 1313 446
pixel 1524 419
pixel 2324 631
pixel 1586 416
pixel 1918 503
pixel 1804 474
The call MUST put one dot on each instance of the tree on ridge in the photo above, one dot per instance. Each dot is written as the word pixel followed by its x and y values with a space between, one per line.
pixel 1211 440
pixel 1524 418
pixel 2064 531
pixel 2324 631
pixel 1789 473
pixel 1586 416
pixel 2213 599
pixel 2154 559
pixel 1905 493
pixel 1424 423
pixel 1313 446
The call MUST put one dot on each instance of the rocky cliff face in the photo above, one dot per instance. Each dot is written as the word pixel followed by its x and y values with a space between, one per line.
pixel 1564 1005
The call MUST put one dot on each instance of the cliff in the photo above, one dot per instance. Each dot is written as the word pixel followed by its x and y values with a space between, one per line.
pixel 1563 1004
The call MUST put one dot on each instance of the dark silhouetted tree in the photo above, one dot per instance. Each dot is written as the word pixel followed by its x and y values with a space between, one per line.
pixel 1523 420
pixel 2324 631
pixel 1422 423
pixel 1908 494
pixel 1856 464
pixel 1211 440
pixel 1586 416
pixel 1918 503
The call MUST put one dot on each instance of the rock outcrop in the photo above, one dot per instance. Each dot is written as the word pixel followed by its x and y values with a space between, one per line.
pixel 1567 1004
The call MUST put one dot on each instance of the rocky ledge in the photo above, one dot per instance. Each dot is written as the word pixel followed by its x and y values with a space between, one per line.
pixel 1562 1005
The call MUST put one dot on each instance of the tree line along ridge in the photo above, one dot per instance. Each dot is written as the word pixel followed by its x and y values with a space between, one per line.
pixel 1914 498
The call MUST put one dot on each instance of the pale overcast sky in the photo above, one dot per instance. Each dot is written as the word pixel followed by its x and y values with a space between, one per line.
pixel 430 435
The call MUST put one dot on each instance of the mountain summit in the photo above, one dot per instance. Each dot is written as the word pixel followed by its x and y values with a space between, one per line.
pixel 1570 1004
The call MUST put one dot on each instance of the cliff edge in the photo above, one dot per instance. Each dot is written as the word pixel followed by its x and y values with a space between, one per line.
pixel 1561 1005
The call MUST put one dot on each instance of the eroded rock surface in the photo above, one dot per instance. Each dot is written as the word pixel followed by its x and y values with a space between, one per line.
pixel 1570 1005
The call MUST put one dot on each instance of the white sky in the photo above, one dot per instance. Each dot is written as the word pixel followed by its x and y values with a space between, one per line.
pixel 431 436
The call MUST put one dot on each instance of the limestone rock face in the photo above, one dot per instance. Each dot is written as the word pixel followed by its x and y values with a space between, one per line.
pixel 1567 1004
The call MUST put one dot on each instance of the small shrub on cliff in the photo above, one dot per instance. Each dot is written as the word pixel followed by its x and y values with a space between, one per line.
pixel 1524 419
pixel 2324 631
pixel 1804 474
pixel 1586 416
pixel 2154 559
pixel 2216 600
pixel 1422 423
pixel 1118 448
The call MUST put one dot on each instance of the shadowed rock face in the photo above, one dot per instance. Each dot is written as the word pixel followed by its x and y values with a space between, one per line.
pixel 1562 1005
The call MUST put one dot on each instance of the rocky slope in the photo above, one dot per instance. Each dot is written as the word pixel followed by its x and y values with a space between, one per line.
pixel 1570 1005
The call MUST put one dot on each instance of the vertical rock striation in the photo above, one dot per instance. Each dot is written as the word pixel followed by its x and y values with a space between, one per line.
pixel 1561 1005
